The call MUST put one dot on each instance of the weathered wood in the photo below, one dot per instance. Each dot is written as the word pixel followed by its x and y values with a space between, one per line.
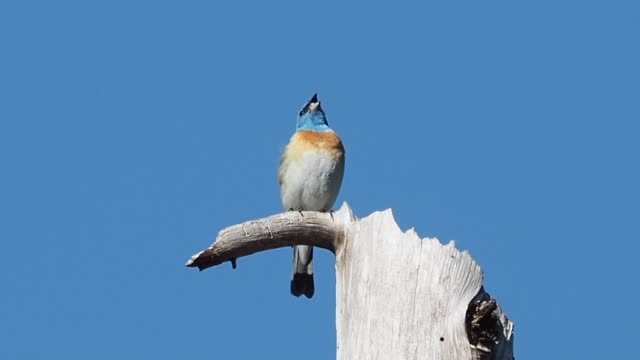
pixel 287 229
pixel 398 296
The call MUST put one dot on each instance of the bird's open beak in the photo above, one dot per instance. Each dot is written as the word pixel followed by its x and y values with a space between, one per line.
pixel 313 104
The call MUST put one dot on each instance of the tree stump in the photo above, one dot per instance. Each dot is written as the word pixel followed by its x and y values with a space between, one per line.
pixel 397 296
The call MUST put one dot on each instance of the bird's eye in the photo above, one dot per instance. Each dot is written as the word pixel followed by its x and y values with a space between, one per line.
pixel 303 111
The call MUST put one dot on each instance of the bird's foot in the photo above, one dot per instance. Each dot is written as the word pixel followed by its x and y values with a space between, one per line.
pixel 299 211
pixel 329 211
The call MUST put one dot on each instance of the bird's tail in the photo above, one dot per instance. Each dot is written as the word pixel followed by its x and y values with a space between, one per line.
pixel 302 274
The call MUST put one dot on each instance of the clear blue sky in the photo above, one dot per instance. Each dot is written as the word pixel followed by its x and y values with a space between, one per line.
pixel 132 132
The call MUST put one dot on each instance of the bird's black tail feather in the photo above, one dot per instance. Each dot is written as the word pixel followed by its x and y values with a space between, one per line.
pixel 302 284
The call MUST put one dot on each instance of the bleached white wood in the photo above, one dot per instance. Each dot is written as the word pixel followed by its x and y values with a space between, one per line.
pixel 286 229
pixel 398 296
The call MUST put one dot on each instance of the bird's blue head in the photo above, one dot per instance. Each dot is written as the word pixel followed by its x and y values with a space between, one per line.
pixel 311 117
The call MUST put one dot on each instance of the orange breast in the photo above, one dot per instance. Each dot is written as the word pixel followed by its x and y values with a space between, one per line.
pixel 306 140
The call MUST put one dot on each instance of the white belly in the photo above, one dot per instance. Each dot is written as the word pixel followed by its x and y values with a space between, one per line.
pixel 311 182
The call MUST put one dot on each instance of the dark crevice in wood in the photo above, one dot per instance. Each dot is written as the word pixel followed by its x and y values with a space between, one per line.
pixel 484 326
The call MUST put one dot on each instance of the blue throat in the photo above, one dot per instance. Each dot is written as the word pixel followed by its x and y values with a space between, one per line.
pixel 315 121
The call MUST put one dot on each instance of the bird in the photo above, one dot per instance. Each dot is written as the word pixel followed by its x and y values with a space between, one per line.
pixel 310 175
